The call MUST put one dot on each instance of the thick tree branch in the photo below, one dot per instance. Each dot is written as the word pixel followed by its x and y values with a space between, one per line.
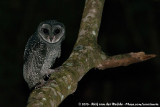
pixel 85 56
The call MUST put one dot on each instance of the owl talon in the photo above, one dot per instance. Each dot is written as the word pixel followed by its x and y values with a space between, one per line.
pixel 40 84
pixel 50 71
pixel 46 77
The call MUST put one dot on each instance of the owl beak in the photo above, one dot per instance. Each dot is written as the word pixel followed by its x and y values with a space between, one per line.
pixel 51 38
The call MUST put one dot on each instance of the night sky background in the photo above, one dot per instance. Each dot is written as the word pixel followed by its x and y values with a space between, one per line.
pixel 127 26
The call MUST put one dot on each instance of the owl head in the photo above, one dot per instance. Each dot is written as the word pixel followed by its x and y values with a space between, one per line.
pixel 51 31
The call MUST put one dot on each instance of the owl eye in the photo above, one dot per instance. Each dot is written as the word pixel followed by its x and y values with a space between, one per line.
pixel 56 31
pixel 45 31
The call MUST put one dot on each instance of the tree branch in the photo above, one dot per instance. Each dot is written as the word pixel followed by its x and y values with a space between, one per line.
pixel 85 56
pixel 124 60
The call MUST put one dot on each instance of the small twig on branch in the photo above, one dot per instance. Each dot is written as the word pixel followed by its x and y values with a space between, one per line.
pixel 85 56
pixel 124 60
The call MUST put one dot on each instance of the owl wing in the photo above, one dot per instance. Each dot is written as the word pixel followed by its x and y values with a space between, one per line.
pixel 35 50
pixel 29 46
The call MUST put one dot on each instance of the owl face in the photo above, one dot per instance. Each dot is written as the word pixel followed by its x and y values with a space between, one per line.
pixel 51 31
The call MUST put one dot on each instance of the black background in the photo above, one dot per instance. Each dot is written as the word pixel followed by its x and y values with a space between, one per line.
pixel 127 26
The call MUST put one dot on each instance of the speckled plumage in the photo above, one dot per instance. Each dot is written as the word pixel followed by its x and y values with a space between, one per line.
pixel 41 51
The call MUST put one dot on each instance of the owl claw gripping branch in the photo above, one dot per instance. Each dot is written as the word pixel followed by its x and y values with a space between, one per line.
pixel 41 51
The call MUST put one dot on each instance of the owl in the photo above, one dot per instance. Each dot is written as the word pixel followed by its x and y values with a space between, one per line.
pixel 41 51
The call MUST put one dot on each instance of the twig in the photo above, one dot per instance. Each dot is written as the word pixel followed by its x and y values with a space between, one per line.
pixel 124 60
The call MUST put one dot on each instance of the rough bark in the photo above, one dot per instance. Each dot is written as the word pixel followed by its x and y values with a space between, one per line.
pixel 86 55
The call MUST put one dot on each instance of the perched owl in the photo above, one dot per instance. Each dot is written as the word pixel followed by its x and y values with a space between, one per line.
pixel 41 51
